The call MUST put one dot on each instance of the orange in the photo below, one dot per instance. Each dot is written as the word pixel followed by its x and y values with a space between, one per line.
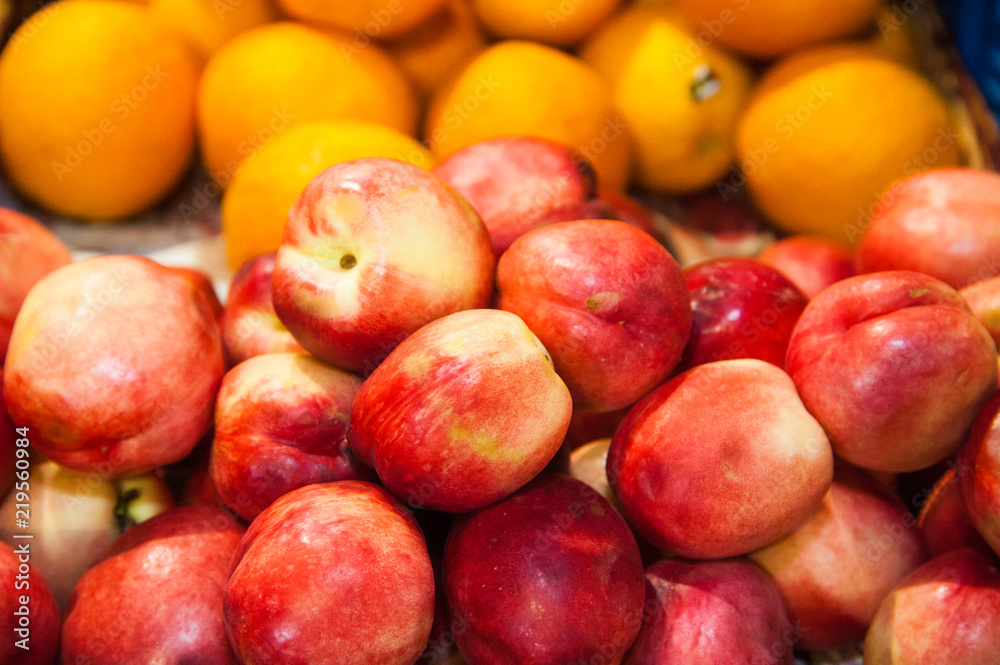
pixel 368 18
pixel 256 204
pixel 769 28
pixel 96 108
pixel 681 101
pixel 522 88
pixel 829 129
pixel 269 78
pixel 208 24
pixel 555 22
pixel 432 51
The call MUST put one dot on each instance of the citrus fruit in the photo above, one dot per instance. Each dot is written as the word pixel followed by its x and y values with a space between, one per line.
pixel 522 88
pixel 556 22
pixel 208 24
pixel 371 18
pixel 769 28
pixel 96 109
pixel 681 101
pixel 829 129
pixel 256 204
pixel 267 79
pixel 432 51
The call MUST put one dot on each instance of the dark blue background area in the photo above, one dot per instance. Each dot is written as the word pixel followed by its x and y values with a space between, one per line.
pixel 975 25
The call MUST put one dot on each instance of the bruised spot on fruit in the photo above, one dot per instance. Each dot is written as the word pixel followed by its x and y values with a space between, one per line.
pixel 704 83
pixel 602 302
pixel 348 261
pixel 596 509
pixel 916 293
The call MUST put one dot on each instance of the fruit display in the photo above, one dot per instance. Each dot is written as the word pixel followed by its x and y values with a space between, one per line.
pixel 465 332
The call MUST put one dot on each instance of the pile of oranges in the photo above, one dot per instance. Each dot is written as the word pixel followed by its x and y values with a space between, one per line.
pixel 814 107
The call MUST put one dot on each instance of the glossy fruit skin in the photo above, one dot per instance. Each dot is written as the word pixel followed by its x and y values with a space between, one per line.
pixel 114 364
pixel 947 611
pixel 281 423
pixel 550 575
pixel 171 570
pixel 978 470
pixel 944 223
pixel 373 249
pixel 894 366
pixel 355 584
pixel 248 324
pixel 708 612
pixel 740 308
pixel 519 183
pixel 694 455
pixel 615 322
pixel 835 568
pixel 435 419
pixel 42 631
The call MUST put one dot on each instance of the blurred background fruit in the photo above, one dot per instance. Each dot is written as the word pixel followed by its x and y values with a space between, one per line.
pixel 524 88
pixel 269 78
pixel 256 204
pixel 96 109
pixel 28 252
pixel 829 129
pixel 681 103
pixel 555 22
pixel 437 48
pixel 769 28
pixel 208 24
pixel 370 18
